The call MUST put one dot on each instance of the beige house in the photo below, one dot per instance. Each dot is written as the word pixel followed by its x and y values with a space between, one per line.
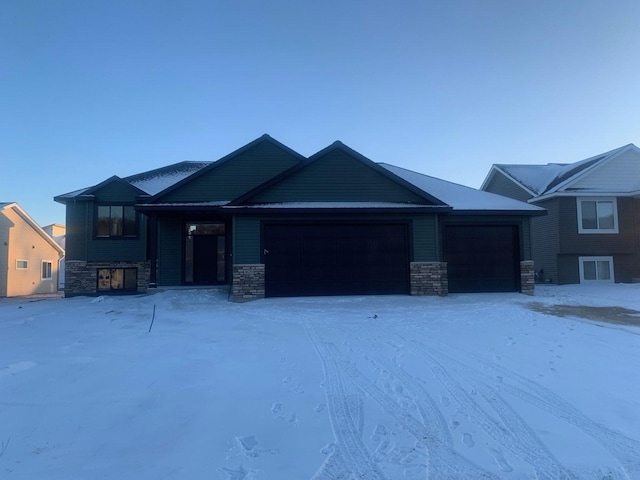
pixel 29 258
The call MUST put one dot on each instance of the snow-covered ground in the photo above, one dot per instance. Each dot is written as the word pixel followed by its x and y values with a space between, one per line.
pixel 395 387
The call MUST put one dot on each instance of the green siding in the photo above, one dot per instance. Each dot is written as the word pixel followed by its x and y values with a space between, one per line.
pixel 170 251
pixel 78 218
pixel 425 238
pixel 337 177
pixel 246 239
pixel 546 240
pixel 117 191
pixel 246 233
pixel 235 176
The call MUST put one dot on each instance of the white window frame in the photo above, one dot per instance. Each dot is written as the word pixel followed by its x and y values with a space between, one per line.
pixel 614 200
pixel 50 277
pixel 26 264
pixel 581 261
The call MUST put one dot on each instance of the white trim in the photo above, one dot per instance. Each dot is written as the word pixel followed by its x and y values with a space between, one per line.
pixel 581 261
pixel 614 201
pixel 26 264
pixel 492 173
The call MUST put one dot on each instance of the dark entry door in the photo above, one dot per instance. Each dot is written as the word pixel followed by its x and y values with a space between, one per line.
pixel 205 259
pixel 336 259
pixel 482 258
pixel 205 247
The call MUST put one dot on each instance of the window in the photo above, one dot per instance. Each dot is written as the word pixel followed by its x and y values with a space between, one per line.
pixel 22 264
pixel 597 215
pixel 596 269
pixel 116 221
pixel 117 279
pixel 46 270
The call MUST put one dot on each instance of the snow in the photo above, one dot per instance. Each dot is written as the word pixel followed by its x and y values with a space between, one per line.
pixel 396 387
pixel 458 196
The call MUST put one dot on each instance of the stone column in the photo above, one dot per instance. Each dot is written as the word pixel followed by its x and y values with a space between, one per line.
pixel 248 282
pixel 527 277
pixel 429 278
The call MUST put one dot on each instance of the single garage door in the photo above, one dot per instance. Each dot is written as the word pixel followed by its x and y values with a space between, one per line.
pixel 336 259
pixel 482 258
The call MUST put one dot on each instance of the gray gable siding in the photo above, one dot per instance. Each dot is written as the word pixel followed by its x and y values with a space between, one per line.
pixel 235 176
pixel 501 185
pixel 337 177
pixel 246 233
pixel 546 240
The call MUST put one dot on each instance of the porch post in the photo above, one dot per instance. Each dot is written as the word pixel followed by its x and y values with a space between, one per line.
pixel 152 241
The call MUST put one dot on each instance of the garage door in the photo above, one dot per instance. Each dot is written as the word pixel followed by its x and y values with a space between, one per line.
pixel 482 258
pixel 336 259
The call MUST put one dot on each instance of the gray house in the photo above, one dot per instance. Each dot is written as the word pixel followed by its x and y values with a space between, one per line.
pixel 268 221
pixel 592 230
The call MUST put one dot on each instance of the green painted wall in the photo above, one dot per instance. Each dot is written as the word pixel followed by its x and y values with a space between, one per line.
pixel 246 233
pixel 235 176
pixel 337 177
pixel 170 255
pixel 80 217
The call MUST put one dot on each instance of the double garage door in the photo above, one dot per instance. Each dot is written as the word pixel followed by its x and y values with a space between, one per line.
pixel 336 259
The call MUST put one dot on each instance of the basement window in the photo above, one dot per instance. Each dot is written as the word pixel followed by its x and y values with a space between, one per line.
pixel 117 280
pixel 596 269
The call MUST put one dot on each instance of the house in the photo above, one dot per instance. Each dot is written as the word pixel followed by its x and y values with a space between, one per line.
pixel 592 230
pixel 57 232
pixel 271 222
pixel 28 256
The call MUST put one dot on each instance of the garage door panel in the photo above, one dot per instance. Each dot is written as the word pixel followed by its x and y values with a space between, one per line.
pixel 482 258
pixel 336 259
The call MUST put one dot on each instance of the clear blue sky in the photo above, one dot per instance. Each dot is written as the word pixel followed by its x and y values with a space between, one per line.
pixel 91 89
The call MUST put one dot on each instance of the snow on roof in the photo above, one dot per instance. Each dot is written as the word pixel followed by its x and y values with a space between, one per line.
pixel 548 178
pixel 155 181
pixel 458 196
pixel 339 205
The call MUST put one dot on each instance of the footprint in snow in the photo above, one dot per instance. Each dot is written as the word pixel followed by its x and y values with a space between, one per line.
pixel 467 439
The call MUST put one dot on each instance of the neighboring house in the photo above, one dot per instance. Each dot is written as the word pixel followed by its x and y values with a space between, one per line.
pixel 271 222
pixel 592 230
pixel 57 232
pixel 28 256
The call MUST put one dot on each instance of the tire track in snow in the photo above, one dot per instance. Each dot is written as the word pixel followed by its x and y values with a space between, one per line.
pixel 624 449
pixel 514 433
pixel 450 465
pixel 347 425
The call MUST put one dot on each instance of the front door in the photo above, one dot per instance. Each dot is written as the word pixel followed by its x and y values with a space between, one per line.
pixel 205 253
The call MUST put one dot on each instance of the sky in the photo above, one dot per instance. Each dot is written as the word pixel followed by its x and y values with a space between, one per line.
pixel 92 89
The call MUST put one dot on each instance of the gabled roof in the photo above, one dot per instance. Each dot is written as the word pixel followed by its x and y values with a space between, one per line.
pixel 337 145
pixel 464 199
pixel 32 223
pixel 150 183
pixel 213 165
pixel 544 180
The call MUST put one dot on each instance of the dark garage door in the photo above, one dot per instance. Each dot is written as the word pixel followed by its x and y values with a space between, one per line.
pixel 336 259
pixel 482 258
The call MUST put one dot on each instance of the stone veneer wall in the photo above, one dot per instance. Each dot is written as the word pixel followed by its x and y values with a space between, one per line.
pixel 527 277
pixel 248 282
pixel 429 278
pixel 81 278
